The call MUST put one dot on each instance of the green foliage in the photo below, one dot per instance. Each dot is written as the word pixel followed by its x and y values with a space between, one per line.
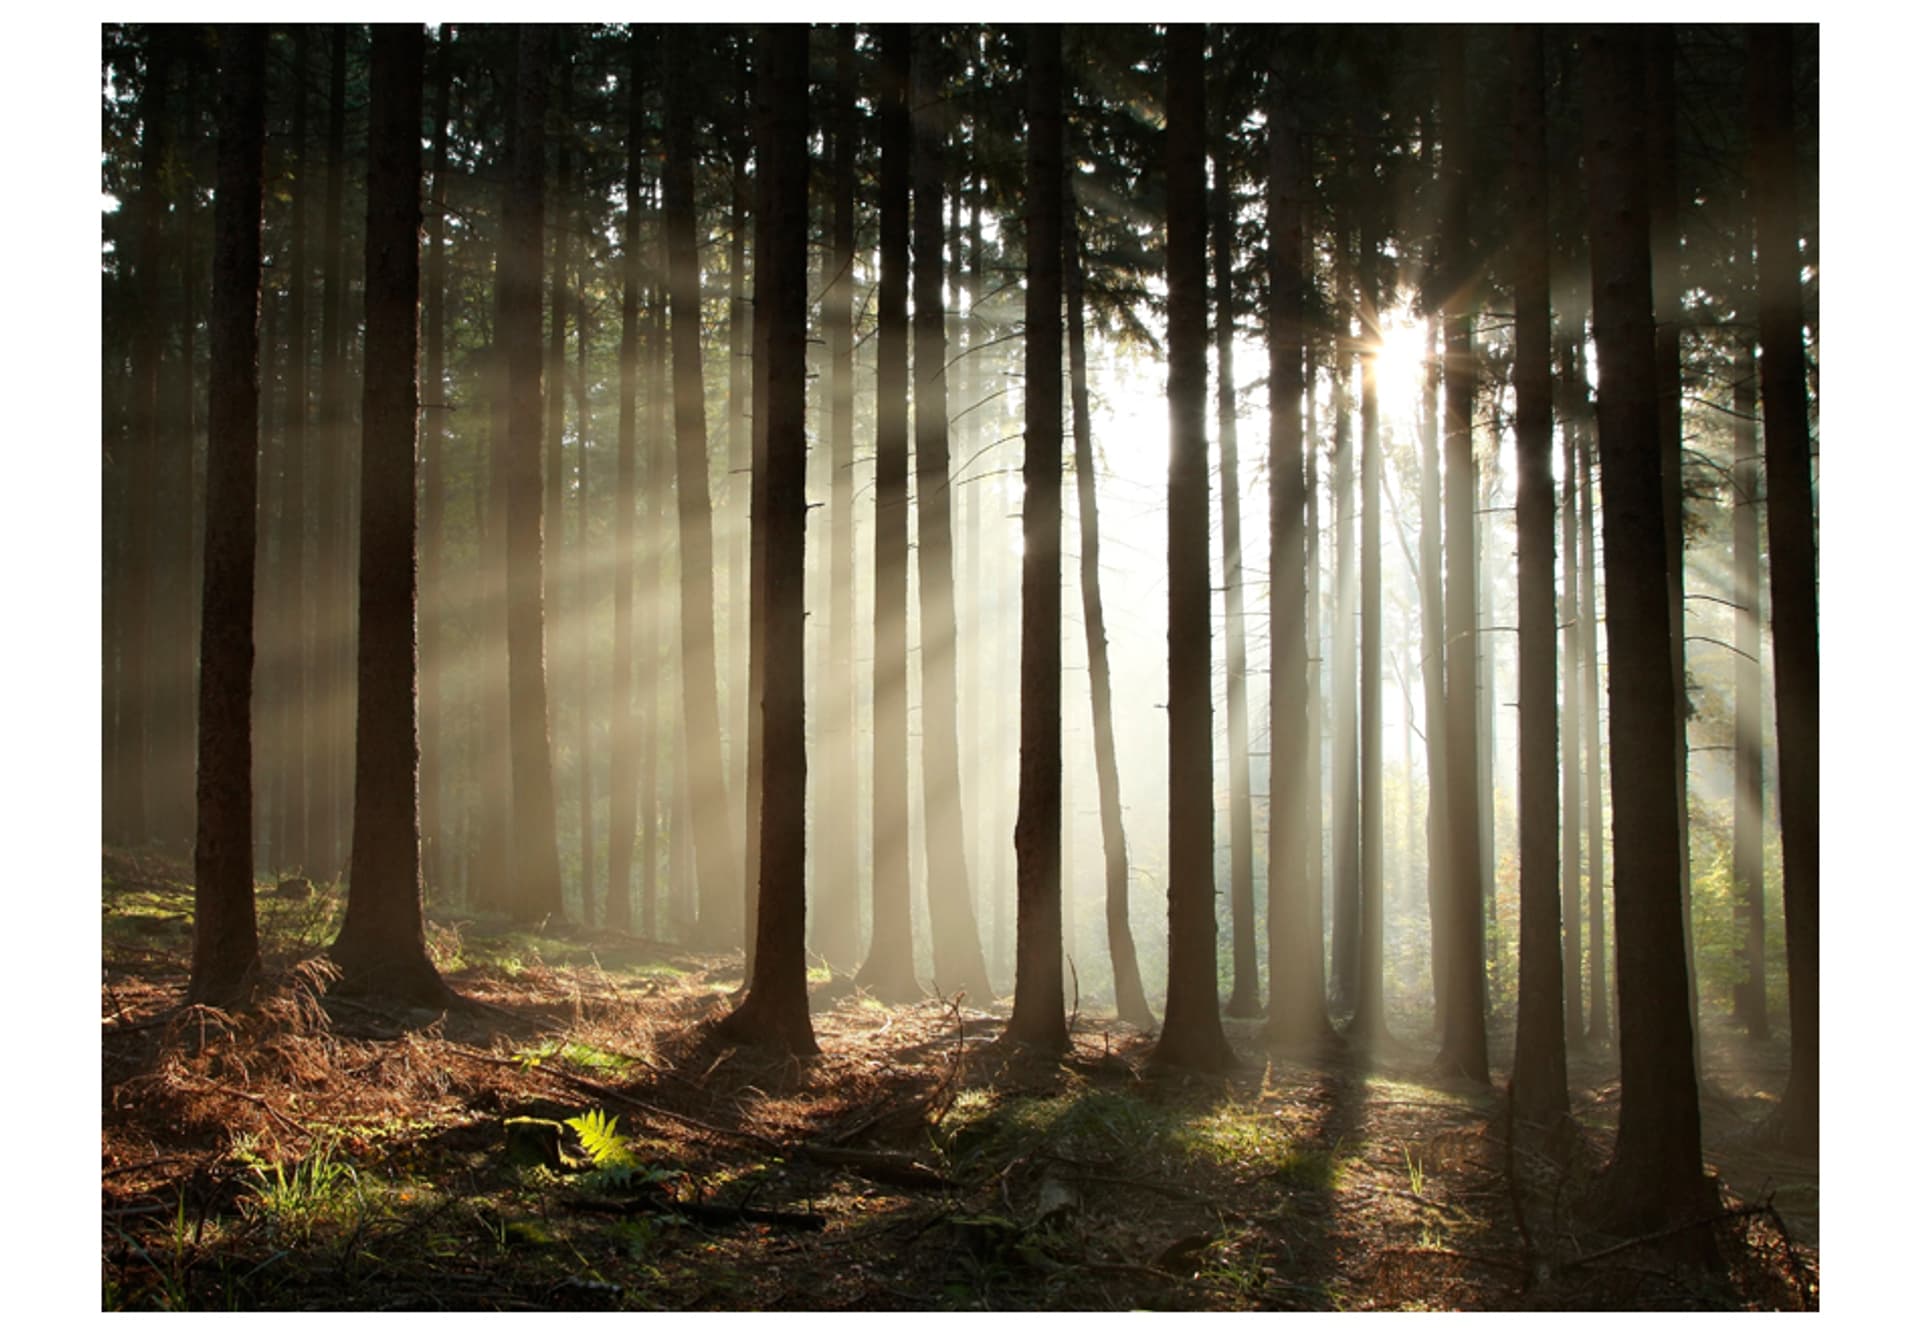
pixel 614 1162
pixel 318 1188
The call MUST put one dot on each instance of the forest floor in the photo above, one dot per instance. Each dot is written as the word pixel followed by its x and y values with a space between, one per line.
pixel 316 1152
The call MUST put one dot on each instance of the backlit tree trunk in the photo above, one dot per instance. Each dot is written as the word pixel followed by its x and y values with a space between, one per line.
pixel 1749 806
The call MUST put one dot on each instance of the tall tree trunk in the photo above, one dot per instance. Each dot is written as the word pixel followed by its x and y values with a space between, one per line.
pixel 496 857
pixel 753 671
pixel 888 970
pixel 1244 1001
pixel 553 456
pixel 1463 1045
pixel 1540 1052
pixel 774 1012
pixel 331 633
pixel 741 368
pixel 1039 1007
pixel 1599 977
pixel 1130 997
pixel 382 945
pixel 1369 998
pixel 1793 565
pixel 622 798
pixel 1346 724
pixel 537 894
pixel 1663 216
pixel 654 627
pixel 715 850
pixel 1192 1036
pixel 958 965
pixel 226 951
pixel 433 489
pixel 583 579
pixel 1749 808
pixel 295 603
pixel 1296 995
pixel 1654 1180
pixel 1433 672
pixel 836 912
pixel 1572 1008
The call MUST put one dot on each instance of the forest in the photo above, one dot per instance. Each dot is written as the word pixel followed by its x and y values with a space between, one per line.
pixel 959 667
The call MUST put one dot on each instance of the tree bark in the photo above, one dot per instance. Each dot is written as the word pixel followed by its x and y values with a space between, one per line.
pixel 774 1012
pixel 1039 1008
pixel 226 951
pixel 1654 1179
pixel 888 970
pixel 1192 1036
pixel 382 946
pixel 958 965
pixel 537 894
pixel 1540 1053
pixel 1572 1008
pixel 1793 564
pixel 433 486
pixel 1749 804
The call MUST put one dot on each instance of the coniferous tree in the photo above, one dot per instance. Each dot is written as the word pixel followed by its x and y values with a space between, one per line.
pixel 1792 564
pixel 1039 1007
pixel 382 944
pixel 434 484
pixel 1191 1036
pixel 226 950
pixel 1654 1179
pixel 1749 809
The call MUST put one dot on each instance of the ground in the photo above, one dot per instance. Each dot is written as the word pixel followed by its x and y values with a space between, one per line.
pixel 578 1140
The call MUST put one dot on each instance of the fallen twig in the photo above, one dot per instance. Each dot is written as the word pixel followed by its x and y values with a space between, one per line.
pixel 703 1213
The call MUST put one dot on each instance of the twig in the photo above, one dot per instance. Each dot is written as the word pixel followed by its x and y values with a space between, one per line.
pixel 1719 1216
pixel 703 1213
pixel 257 1101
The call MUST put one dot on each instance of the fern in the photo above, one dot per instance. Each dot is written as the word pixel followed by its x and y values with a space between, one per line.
pixel 614 1164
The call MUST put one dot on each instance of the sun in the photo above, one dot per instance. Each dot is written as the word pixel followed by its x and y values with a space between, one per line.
pixel 1401 365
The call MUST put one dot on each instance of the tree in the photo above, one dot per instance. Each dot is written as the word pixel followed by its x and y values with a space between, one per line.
pixel 1463 1045
pixel 1130 997
pixel 1369 1025
pixel 1540 1053
pixel 382 946
pixel 1654 1179
pixel 535 840
pixel 888 970
pixel 294 576
pixel 775 1009
pixel 1749 809
pixel 1192 1036
pixel 1792 565
pixel 1296 994
pixel 226 949
pixel 715 852
pixel 1039 1008
pixel 433 486
pixel 958 965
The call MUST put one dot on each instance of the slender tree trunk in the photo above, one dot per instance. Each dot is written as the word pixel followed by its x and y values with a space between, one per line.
pixel 1599 978
pixel 1540 1052
pixel 755 665
pixel 1039 1007
pixel 497 858
pixel 583 620
pixel 433 489
pixel 226 952
pixel 1346 723
pixel 743 372
pixel 1244 1001
pixel 382 945
pixel 330 517
pixel 295 603
pixel 1296 995
pixel 888 970
pixel 958 965
pixel 553 456
pixel 1570 703
pixel 1464 1037
pixel 1433 672
pixel 1130 997
pixel 718 865
pixel 622 798
pixel 1749 808
pixel 537 894
pixel 1793 565
pixel 1192 1036
pixel 1654 1180
pixel 774 1012
pixel 1369 999
pixel 655 627
pixel 836 913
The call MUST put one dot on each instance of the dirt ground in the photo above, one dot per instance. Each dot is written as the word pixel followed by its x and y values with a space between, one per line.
pixel 315 1152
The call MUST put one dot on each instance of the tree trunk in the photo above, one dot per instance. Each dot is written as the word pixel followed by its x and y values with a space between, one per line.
pixel 226 951
pixel 743 371
pixel 1433 672
pixel 1572 1008
pixel 433 486
pixel 1654 1180
pixel 1039 1013
pixel 1599 978
pixel 1540 1052
pixel 382 945
pixel 720 898
pixel 537 894
pixel 888 970
pixel 1192 1036
pixel 1369 1024
pixel 295 604
pixel 958 965
pixel 583 620
pixel 1345 856
pixel 774 1012
pixel 1793 564
pixel 1130 997
pixel 1296 995
pixel 622 797
pixel 1463 1047
pixel 1749 806
pixel 1244 1001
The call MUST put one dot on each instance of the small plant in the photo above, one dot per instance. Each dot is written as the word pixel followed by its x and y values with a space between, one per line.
pixel 1416 1171
pixel 614 1163
pixel 319 1187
